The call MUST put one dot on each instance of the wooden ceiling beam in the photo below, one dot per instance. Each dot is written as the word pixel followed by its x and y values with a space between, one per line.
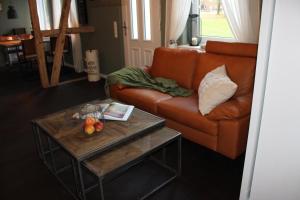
pixel 77 30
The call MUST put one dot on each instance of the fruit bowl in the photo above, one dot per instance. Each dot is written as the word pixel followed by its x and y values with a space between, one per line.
pixel 92 126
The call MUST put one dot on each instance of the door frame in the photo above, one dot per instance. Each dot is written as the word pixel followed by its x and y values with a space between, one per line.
pixel 125 17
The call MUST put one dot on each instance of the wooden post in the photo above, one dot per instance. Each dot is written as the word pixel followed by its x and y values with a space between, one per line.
pixel 60 43
pixel 38 38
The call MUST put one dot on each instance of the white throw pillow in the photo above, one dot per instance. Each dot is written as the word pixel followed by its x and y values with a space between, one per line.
pixel 215 88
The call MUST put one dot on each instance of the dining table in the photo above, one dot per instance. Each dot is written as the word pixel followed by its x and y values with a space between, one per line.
pixel 14 40
pixel 12 44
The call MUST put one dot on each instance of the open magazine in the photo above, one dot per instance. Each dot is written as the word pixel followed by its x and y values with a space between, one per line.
pixel 117 111
pixel 109 111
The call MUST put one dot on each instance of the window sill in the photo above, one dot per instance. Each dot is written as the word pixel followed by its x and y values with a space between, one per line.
pixel 205 39
pixel 201 47
pixel 196 48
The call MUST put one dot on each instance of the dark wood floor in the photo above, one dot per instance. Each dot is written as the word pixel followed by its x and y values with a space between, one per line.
pixel 206 175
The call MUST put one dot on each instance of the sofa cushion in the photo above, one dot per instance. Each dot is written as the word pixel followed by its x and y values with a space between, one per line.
pixel 234 109
pixel 232 49
pixel 176 64
pixel 240 70
pixel 215 88
pixel 185 110
pixel 145 99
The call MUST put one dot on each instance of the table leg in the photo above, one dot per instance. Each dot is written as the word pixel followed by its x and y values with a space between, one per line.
pixel 164 155
pixel 42 154
pixel 77 185
pixel 36 140
pixel 81 181
pixel 52 155
pixel 101 188
pixel 179 157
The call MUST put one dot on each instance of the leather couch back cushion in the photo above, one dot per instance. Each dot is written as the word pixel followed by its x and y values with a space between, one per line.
pixel 232 49
pixel 176 64
pixel 241 70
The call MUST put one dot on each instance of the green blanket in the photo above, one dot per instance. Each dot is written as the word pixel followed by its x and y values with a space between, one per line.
pixel 136 77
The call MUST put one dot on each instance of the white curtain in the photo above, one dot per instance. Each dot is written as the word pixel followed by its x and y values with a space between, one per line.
pixel 56 12
pixel 244 18
pixel 75 38
pixel 177 13
pixel 44 14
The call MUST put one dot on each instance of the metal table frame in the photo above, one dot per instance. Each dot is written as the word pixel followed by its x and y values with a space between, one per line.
pixel 124 168
pixel 77 165
pixel 42 153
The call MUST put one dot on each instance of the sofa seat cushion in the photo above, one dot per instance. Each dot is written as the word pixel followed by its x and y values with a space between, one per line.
pixel 145 99
pixel 185 110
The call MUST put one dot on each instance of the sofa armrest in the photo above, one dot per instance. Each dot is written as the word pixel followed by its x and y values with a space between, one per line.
pixel 236 108
pixel 232 136
pixel 147 69
pixel 113 91
pixel 122 86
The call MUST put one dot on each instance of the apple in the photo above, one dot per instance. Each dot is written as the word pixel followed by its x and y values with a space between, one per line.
pixel 99 126
pixel 90 121
pixel 89 129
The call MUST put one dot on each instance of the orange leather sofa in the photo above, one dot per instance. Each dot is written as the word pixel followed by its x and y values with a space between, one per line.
pixel 225 129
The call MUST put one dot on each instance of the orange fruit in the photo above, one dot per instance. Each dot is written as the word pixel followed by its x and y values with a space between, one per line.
pixel 89 129
pixel 90 121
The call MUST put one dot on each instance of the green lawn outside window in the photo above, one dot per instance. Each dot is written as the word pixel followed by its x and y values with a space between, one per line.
pixel 214 25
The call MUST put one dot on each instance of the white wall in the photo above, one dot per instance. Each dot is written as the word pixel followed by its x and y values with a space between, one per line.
pixel 276 174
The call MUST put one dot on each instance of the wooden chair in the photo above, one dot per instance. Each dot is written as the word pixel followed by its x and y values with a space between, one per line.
pixel 29 55
pixel 29 51
pixel 67 46
pixel 18 31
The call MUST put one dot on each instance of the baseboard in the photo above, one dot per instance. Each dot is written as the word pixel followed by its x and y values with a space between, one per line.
pixel 66 64
pixel 72 80
pixel 103 76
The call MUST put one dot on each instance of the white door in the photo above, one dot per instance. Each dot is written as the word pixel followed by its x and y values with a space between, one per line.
pixel 142 34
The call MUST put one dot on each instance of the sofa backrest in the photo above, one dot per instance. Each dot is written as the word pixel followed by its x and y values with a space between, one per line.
pixel 239 59
pixel 176 64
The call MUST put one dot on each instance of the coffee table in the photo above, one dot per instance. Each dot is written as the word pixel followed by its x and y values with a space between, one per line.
pixel 119 146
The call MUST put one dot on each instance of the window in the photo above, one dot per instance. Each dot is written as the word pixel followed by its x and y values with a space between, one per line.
pixel 147 20
pixel 213 22
pixel 134 21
